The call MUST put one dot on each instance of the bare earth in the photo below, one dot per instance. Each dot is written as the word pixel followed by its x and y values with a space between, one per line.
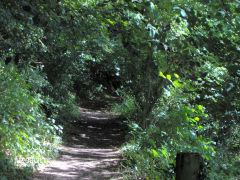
pixel 92 151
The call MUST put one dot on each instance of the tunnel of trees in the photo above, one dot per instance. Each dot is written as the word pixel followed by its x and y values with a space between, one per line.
pixel 175 64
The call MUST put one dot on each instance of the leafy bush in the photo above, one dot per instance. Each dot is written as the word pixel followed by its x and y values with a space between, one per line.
pixel 129 107
pixel 175 126
pixel 26 135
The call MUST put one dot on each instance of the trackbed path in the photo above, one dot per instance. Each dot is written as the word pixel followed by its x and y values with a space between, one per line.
pixel 92 151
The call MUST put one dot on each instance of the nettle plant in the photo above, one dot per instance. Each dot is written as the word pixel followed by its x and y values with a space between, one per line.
pixel 180 125
pixel 175 127
pixel 27 136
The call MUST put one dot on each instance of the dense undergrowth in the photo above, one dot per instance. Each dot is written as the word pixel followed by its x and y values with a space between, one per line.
pixel 175 63
pixel 177 123
pixel 27 136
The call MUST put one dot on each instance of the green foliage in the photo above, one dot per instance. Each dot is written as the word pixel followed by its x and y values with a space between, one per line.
pixel 73 50
pixel 26 136
pixel 194 41
pixel 175 127
pixel 9 170
pixel 128 108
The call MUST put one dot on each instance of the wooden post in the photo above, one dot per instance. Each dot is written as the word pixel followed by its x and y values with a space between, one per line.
pixel 188 166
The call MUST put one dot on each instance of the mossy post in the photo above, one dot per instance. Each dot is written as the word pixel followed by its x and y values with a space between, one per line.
pixel 188 166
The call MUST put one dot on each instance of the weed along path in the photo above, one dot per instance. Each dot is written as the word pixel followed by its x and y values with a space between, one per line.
pixel 92 149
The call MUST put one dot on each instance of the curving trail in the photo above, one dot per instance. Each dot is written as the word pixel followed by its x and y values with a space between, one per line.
pixel 92 151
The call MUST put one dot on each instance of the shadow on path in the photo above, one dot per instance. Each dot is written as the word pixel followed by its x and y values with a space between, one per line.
pixel 92 151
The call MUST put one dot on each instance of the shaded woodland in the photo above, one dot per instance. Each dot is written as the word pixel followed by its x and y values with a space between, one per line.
pixel 175 65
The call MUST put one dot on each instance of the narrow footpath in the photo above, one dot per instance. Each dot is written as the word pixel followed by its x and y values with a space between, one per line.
pixel 92 150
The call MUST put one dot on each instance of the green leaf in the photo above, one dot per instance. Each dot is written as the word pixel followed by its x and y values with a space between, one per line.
pixel 162 75
pixel 164 152
pixel 155 153
pixel 125 23
pixel 200 107
pixel 176 75
pixel 19 137
pixel 152 6
pixel 111 22
pixel 196 118
pixel 11 119
pixel 152 142
pixel 169 77
pixel 24 134
pixel 56 127
pixel 176 83
pixel 207 157
pixel 183 13
pixel 31 117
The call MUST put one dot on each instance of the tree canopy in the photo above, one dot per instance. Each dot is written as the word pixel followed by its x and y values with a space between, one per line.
pixel 174 63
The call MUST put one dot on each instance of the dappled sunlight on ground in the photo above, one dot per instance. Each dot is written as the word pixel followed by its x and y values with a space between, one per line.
pixel 92 151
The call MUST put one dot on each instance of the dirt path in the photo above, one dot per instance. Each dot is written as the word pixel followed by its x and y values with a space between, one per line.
pixel 92 151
